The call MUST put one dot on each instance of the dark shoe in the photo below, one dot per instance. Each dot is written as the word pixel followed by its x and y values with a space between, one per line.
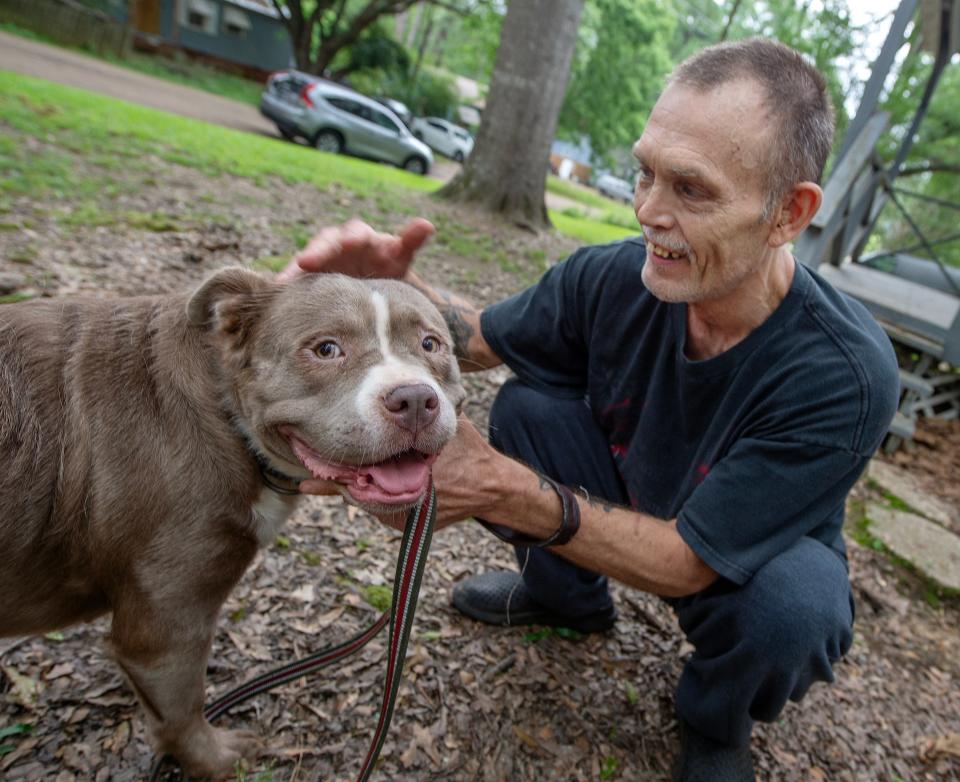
pixel 499 597
pixel 705 760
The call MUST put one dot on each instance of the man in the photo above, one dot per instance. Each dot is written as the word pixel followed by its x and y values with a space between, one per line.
pixel 710 399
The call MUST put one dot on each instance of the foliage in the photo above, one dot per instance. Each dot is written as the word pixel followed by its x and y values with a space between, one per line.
pixel 376 50
pixel 932 168
pixel 432 94
pixel 320 29
pixel 621 58
pixel 467 44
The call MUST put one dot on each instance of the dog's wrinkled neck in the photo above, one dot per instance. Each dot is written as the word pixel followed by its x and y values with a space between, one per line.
pixel 272 478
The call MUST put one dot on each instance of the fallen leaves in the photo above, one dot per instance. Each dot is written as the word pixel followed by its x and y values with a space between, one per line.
pixel 941 746
pixel 24 690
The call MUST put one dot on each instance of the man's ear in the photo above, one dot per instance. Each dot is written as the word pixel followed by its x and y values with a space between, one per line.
pixel 229 303
pixel 795 212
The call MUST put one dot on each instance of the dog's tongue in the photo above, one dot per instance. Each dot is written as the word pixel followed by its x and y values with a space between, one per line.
pixel 402 474
pixel 397 480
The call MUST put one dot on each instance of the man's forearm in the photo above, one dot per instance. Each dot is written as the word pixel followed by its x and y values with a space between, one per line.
pixel 463 320
pixel 632 547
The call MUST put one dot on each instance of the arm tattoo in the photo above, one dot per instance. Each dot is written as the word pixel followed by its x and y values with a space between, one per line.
pixel 453 313
pixel 460 330
pixel 596 504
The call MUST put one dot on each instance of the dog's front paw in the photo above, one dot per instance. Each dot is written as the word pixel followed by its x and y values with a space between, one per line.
pixel 214 753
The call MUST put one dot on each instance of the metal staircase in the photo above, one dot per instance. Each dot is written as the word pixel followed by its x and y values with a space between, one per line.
pixel 916 300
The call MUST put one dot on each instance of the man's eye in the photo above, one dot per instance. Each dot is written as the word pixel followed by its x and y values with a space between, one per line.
pixel 688 191
pixel 430 344
pixel 328 349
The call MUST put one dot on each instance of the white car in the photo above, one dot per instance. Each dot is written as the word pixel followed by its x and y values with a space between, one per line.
pixel 444 137
pixel 614 187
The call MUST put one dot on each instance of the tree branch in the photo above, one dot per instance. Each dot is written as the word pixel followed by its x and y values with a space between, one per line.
pixel 733 13
pixel 932 167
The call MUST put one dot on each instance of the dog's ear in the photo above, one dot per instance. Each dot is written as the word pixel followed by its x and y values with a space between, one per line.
pixel 230 302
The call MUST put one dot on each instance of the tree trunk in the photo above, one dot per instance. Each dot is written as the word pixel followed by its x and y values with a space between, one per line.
pixel 507 171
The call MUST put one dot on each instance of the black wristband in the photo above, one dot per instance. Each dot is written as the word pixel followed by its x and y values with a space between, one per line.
pixel 569 524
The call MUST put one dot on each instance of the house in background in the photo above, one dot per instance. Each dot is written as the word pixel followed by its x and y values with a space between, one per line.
pixel 244 36
pixel 572 161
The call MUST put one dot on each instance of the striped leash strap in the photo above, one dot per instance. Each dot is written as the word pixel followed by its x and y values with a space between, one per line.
pixel 406 589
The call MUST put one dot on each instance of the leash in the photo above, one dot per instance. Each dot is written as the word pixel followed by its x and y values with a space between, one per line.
pixel 406 589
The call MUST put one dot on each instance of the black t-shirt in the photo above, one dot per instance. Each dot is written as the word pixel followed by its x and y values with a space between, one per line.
pixel 751 449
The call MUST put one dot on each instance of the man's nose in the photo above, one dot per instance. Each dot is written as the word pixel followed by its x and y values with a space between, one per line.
pixel 653 207
pixel 412 407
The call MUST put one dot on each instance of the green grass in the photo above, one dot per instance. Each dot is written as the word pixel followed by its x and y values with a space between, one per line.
pixel 581 194
pixel 380 596
pixel 590 231
pixel 13 298
pixel 96 127
pixel 179 70
pixel 603 209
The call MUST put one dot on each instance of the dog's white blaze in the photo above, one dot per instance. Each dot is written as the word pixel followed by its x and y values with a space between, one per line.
pixel 392 372
pixel 270 511
pixel 382 316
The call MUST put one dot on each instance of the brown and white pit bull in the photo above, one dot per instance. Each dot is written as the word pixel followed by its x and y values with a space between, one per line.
pixel 135 434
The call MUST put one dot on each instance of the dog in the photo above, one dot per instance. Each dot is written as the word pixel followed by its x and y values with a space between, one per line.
pixel 148 444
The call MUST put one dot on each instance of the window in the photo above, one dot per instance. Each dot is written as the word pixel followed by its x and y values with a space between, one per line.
pixel 437 125
pixel 236 23
pixel 345 104
pixel 199 15
pixel 384 121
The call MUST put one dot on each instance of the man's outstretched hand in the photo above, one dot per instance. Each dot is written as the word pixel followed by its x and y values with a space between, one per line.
pixel 358 250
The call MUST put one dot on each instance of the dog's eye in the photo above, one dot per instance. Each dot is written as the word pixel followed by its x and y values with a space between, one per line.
pixel 430 344
pixel 328 349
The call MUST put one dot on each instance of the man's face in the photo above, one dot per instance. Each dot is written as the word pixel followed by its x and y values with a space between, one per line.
pixel 701 190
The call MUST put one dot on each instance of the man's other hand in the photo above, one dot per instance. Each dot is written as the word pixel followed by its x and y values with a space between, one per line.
pixel 356 249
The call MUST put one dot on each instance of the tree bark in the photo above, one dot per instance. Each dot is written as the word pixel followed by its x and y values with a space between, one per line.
pixel 507 171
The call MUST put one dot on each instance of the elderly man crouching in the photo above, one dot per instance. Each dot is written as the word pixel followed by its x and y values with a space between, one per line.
pixel 690 410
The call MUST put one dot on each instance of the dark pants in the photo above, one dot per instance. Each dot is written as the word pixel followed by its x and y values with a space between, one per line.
pixel 755 645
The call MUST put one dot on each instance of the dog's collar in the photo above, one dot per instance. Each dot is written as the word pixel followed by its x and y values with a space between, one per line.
pixel 267 474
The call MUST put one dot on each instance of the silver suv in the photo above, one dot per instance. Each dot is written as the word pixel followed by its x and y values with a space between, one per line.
pixel 336 119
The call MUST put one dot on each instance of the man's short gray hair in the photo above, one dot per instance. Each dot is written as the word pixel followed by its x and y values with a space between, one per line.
pixel 796 94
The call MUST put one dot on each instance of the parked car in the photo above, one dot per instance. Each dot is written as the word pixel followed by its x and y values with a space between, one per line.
pixel 614 187
pixel 337 119
pixel 445 137
pixel 397 107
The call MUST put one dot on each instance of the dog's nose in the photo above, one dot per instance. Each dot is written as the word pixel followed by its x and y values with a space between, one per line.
pixel 412 407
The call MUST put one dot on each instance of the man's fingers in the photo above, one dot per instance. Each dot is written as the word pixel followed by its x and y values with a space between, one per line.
pixel 357 249
pixel 414 235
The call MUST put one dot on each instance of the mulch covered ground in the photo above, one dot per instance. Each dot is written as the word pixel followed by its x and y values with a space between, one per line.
pixel 476 703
